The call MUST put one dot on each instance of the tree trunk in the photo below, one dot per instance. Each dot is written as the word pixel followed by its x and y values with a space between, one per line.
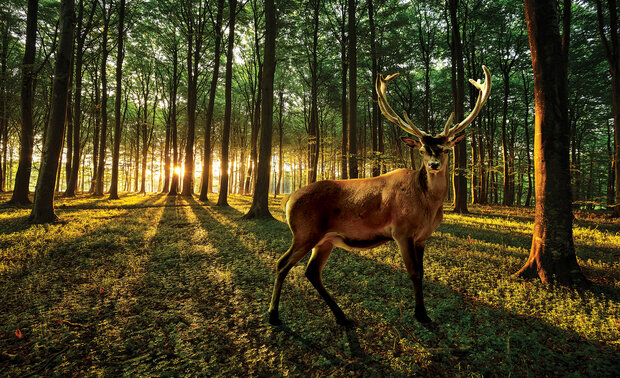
pixel 206 166
pixel 174 184
pixel 260 203
pixel 99 181
pixel 117 105
pixel 81 33
pixel 4 118
pixel 223 195
pixel 313 127
pixel 526 102
pixel 376 166
pixel 22 177
pixel 43 209
pixel 552 257
pixel 611 43
pixel 280 147
pixel 352 54
pixel 459 181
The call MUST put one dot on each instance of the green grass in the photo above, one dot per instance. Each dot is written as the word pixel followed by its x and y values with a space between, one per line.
pixel 152 285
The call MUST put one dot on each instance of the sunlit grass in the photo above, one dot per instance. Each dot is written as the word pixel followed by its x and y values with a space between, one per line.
pixel 157 285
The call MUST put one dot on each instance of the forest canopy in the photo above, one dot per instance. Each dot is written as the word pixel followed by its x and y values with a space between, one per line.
pixel 171 49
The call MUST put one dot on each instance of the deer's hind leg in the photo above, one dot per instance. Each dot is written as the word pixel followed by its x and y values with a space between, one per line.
pixel 317 262
pixel 295 253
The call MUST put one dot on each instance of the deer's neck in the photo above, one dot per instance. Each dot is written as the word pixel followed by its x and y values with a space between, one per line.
pixel 434 184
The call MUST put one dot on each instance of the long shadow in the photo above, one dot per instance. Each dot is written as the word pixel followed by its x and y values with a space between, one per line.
pixel 255 275
pixel 57 296
pixel 455 336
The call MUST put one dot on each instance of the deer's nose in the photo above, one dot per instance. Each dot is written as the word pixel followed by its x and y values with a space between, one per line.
pixel 434 165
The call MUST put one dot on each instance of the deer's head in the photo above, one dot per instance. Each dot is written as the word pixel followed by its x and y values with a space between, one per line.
pixel 434 149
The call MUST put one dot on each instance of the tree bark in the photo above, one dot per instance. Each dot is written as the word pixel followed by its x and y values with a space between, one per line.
pixel 260 201
pixel 352 55
pixel 313 127
pixel 552 257
pixel 22 177
pixel 611 43
pixel 81 33
pixel 344 173
pixel 459 181
pixel 99 180
pixel 117 104
pixel 223 195
pixel 206 166
pixel 174 184
pixel 43 208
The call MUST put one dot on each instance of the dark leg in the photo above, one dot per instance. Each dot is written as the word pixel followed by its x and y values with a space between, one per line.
pixel 313 273
pixel 413 255
pixel 285 263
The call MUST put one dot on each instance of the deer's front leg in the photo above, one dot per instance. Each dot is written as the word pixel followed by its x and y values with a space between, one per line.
pixel 413 255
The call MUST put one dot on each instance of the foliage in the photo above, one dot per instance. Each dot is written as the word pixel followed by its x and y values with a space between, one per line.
pixel 158 285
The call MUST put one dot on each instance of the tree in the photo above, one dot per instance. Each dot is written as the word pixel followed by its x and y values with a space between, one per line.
pixel 22 178
pixel 195 21
pixel 459 178
pixel 313 126
pixel 81 32
pixel 611 43
pixel 206 164
pixel 352 54
pixel 43 209
pixel 117 104
pixel 552 256
pixel 260 205
pixel 99 177
pixel 223 196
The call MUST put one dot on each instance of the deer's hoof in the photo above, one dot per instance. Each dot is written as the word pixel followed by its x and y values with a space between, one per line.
pixel 274 319
pixel 422 317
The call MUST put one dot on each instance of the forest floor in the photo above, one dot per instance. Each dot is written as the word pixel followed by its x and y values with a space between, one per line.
pixel 156 285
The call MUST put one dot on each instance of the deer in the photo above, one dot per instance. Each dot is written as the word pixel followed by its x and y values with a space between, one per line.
pixel 403 205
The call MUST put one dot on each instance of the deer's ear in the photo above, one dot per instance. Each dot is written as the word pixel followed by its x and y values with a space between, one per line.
pixel 413 143
pixel 453 142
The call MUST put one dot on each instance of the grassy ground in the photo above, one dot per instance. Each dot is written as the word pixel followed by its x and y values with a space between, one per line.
pixel 155 285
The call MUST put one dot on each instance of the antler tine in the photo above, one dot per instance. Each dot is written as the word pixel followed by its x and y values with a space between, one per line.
pixel 386 109
pixel 448 124
pixel 483 95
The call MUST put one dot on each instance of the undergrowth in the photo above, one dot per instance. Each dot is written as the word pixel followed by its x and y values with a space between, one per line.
pixel 158 285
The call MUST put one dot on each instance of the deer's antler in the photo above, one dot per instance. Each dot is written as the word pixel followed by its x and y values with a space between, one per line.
pixel 483 95
pixel 386 109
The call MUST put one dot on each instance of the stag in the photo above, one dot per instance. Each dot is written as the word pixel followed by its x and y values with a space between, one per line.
pixel 403 205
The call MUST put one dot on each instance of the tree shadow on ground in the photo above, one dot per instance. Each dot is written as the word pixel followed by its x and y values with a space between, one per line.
pixel 467 331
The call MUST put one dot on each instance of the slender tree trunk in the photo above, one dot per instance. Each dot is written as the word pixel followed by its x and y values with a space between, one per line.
pixel 43 209
pixel 508 199
pixel 280 147
pixel 552 257
pixel 99 181
pixel 206 166
pixel 117 105
pixel 376 166
pixel 174 185
pixel 260 201
pixel 526 101
pixel 22 177
pixel 223 195
pixel 352 54
pixel 96 134
pixel 313 127
pixel 81 33
pixel 460 151
pixel 611 43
